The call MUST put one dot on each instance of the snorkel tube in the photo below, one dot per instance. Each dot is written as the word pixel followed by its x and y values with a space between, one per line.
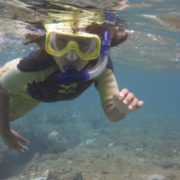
pixel 72 75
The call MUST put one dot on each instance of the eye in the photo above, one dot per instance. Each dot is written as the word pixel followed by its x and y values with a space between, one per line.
pixel 61 42
pixel 89 46
pixel 84 44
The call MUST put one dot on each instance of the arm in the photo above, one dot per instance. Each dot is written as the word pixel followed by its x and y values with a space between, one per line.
pixel 11 137
pixel 4 111
pixel 14 79
pixel 115 103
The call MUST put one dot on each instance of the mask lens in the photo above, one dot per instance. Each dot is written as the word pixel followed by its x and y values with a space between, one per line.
pixel 87 46
pixel 58 42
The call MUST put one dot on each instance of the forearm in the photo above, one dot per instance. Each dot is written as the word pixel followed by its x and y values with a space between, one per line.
pixel 113 113
pixel 107 87
pixel 4 112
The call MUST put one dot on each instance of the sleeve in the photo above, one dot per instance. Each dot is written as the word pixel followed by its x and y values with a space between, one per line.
pixel 14 80
pixel 106 85
pixel 9 76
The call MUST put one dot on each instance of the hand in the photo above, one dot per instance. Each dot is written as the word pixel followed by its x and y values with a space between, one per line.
pixel 126 101
pixel 15 141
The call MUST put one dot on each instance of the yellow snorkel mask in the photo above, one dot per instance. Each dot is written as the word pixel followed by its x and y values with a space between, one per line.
pixel 61 38
pixel 59 43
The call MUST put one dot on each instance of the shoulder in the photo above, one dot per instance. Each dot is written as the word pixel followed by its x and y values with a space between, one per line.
pixel 13 78
pixel 36 61
pixel 8 73
pixel 110 64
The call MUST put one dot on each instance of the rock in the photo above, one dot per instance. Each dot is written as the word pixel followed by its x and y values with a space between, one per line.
pixel 111 144
pixel 44 176
pixel 156 177
pixel 78 176
pixel 19 11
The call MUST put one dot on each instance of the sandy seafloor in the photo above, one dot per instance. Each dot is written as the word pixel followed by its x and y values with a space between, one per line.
pixel 99 161
pixel 99 164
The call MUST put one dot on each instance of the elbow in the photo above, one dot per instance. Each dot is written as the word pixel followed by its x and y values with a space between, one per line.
pixel 4 96
pixel 3 93
pixel 4 99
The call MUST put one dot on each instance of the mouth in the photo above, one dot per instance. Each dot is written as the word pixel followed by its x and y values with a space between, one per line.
pixel 70 69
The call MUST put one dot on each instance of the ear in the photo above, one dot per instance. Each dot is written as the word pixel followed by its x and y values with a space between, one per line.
pixel 118 36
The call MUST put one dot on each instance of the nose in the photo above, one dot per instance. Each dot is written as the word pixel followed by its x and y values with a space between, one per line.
pixel 72 56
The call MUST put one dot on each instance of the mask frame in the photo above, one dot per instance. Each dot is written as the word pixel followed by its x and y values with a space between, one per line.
pixel 72 45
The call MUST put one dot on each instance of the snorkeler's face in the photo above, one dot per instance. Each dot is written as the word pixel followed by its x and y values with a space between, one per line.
pixel 72 58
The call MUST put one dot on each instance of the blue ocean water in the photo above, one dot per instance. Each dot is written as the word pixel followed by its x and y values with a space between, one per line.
pixel 148 64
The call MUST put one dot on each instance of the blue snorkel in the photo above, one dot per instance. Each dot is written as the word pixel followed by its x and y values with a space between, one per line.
pixel 71 75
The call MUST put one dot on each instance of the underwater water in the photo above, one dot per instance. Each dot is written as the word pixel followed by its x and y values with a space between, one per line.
pixel 74 140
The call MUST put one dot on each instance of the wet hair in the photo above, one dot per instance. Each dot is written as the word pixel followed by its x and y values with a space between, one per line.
pixel 35 37
pixel 118 35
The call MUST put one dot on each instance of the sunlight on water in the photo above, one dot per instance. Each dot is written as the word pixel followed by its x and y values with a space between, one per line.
pixel 154 33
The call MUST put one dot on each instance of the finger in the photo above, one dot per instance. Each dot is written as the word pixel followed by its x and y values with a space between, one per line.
pixel 129 98
pixel 20 138
pixel 23 148
pixel 121 95
pixel 20 147
pixel 136 104
pixel 23 140
pixel 124 92
pixel 140 103
pixel 133 104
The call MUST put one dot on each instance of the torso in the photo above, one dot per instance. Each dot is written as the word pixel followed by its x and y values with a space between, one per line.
pixel 48 90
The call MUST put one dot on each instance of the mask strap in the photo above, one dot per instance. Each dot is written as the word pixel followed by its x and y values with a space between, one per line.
pixel 106 37
pixel 109 18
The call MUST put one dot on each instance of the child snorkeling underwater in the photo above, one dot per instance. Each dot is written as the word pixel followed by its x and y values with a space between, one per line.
pixel 73 53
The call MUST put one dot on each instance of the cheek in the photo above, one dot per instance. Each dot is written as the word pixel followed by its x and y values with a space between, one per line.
pixel 79 64
pixel 60 62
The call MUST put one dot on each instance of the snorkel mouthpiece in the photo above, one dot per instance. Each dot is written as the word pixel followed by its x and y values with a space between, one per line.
pixel 73 77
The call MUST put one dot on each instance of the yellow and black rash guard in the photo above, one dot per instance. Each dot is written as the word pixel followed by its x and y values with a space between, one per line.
pixel 32 79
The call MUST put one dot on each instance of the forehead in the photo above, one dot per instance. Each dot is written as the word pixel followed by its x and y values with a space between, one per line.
pixel 64 27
